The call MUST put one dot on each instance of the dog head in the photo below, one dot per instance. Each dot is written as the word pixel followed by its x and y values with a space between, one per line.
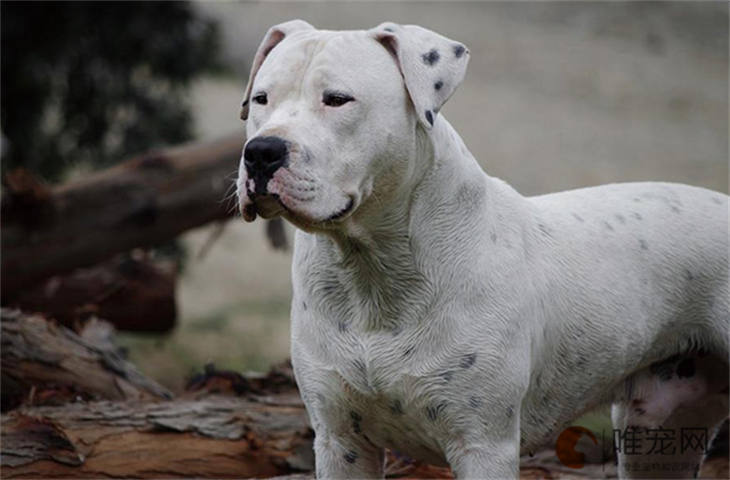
pixel 332 117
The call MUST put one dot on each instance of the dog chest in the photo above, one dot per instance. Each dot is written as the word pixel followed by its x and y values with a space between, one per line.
pixel 395 394
pixel 403 415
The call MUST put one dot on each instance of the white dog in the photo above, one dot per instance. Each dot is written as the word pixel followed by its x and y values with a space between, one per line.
pixel 438 312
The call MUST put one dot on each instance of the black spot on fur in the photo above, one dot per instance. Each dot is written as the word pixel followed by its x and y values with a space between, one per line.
pixel 643 244
pixel 608 226
pixel 434 411
pixel 468 360
pixel 474 402
pixel 447 375
pixel 396 407
pixel 341 326
pixel 350 456
pixel 688 275
pixel 621 219
pixel 438 85
pixel 510 412
pixel 493 236
pixel 359 365
pixel 431 413
pixel 664 369
pixel 578 217
pixel 686 368
pixel 408 351
pixel 429 117
pixel 637 199
pixel 459 50
pixel 431 57
pixel 304 305
pixel 637 216
pixel 675 209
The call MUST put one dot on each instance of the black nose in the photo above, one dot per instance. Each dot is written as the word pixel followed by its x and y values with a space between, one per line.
pixel 262 157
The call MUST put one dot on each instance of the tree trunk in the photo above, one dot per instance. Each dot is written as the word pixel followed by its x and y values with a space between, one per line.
pixel 142 202
pixel 132 292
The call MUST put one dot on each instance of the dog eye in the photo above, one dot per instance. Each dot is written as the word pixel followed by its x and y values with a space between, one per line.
pixel 260 98
pixel 335 99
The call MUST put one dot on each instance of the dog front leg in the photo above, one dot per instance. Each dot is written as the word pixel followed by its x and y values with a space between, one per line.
pixel 488 462
pixel 489 452
pixel 342 457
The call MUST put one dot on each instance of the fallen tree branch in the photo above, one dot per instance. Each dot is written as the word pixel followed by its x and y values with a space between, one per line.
pixel 50 363
pixel 213 437
pixel 132 292
pixel 142 202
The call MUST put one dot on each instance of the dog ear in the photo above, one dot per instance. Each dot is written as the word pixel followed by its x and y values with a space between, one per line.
pixel 272 38
pixel 432 65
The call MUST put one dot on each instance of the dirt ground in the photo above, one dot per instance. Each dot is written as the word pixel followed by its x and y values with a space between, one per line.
pixel 557 96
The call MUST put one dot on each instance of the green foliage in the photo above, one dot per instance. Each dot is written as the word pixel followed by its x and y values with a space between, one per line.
pixel 93 82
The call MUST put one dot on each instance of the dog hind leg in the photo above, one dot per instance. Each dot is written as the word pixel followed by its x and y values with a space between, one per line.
pixel 663 427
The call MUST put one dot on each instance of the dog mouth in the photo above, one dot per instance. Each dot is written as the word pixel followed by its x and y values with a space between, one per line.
pixel 343 212
pixel 270 205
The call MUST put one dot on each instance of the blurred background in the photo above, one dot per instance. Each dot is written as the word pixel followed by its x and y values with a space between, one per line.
pixel 558 95
pixel 120 145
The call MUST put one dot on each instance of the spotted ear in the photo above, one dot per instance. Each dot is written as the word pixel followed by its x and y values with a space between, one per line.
pixel 432 65
pixel 276 34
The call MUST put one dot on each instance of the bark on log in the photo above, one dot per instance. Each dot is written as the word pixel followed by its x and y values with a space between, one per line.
pixel 213 437
pixel 51 363
pixel 133 293
pixel 142 202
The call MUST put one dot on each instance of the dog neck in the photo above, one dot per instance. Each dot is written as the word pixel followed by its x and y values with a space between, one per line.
pixel 427 230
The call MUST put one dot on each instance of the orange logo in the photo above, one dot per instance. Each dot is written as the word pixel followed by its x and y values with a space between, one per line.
pixel 565 446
